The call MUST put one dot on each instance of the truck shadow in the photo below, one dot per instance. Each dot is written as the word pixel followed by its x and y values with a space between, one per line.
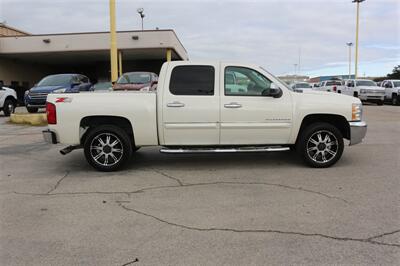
pixel 150 157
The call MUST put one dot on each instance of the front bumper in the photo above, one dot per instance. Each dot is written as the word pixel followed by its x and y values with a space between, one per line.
pixel 358 130
pixel 49 136
pixel 374 97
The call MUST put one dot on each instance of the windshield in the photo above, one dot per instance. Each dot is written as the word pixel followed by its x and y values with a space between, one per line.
pixel 396 83
pixel 281 81
pixel 303 86
pixel 134 78
pixel 103 86
pixel 55 80
pixel 365 83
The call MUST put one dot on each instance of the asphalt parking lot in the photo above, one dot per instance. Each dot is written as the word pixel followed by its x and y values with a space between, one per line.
pixel 225 209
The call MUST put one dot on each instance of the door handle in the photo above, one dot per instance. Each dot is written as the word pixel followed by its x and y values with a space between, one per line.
pixel 232 105
pixel 175 104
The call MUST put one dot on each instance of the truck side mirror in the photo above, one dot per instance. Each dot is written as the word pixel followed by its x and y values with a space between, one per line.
pixel 272 92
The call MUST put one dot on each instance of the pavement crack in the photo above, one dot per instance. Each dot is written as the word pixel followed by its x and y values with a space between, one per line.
pixel 58 183
pixel 233 230
pixel 131 262
pixel 177 180
pixel 182 185
pixel 384 234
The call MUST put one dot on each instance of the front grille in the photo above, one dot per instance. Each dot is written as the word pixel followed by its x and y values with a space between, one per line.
pixel 34 95
pixel 375 91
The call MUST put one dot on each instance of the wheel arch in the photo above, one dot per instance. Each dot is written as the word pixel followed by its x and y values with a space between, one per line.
pixel 89 122
pixel 339 121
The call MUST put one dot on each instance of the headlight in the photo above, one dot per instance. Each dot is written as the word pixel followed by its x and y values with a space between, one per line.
pixel 147 88
pixel 356 112
pixel 60 90
pixel 363 91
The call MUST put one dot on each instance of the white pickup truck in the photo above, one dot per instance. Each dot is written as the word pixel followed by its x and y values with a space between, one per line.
pixel 194 111
pixel 364 89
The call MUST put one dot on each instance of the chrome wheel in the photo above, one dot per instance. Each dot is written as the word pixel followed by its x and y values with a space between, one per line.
pixel 106 149
pixel 322 146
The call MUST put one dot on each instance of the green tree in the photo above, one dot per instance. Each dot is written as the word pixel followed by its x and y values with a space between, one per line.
pixel 395 73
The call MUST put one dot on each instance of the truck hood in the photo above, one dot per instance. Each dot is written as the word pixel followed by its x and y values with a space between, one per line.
pixel 324 97
pixel 47 89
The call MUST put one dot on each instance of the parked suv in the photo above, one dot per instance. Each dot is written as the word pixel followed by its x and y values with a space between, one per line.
pixel 365 89
pixel 392 91
pixel 8 100
pixel 35 98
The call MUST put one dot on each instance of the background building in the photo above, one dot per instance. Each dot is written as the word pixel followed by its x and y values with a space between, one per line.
pixel 25 58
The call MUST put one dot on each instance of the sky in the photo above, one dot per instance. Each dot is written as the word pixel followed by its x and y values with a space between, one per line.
pixel 275 34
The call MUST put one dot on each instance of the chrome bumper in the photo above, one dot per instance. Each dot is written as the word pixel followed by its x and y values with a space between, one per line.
pixel 358 130
pixel 49 136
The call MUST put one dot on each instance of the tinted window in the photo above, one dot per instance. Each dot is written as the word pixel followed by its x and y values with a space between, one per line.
pixel 192 80
pixel 332 83
pixel 365 83
pixel 248 82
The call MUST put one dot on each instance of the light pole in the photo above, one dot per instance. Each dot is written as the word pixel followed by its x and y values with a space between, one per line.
pixel 295 74
pixel 357 26
pixel 140 11
pixel 113 43
pixel 349 44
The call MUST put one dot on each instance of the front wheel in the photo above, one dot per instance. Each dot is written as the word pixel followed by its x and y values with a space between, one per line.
pixel 9 107
pixel 395 99
pixel 321 145
pixel 107 148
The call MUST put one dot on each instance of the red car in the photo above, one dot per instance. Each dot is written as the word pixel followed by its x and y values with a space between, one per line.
pixel 137 81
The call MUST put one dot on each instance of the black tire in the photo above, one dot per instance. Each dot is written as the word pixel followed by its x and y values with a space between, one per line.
pixel 93 148
pixel 355 94
pixel 306 149
pixel 380 102
pixel 395 99
pixel 32 110
pixel 9 107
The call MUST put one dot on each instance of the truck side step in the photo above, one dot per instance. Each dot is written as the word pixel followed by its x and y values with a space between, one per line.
pixel 224 150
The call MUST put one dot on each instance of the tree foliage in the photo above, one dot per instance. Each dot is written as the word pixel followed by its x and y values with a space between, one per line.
pixel 395 73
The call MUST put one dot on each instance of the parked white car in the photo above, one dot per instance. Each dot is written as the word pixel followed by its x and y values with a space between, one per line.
pixel 364 89
pixel 330 86
pixel 392 90
pixel 8 100
pixel 194 111
pixel 301 86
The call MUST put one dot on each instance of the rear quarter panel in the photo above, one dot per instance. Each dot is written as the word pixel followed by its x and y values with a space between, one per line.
pixel 138 107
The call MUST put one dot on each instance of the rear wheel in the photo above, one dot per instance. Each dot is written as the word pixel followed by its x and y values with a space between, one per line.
pixel 380 102
pixel 9 107
pixel 321 145
pixel 32 109
pixel 107 148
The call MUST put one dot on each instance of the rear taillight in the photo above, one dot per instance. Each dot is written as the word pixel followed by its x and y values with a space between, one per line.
pixel 334 88
pixel 51 113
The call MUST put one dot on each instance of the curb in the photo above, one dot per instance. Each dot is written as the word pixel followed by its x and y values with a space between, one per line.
pixel 30 119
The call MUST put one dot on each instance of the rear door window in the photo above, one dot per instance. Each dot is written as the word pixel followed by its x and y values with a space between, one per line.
pixel 192 80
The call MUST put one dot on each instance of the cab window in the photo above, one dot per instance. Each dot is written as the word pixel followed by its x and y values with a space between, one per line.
pixel 192 80
pixel 248 82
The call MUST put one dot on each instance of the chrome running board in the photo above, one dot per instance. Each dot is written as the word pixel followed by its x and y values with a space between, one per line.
pixel 224 150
